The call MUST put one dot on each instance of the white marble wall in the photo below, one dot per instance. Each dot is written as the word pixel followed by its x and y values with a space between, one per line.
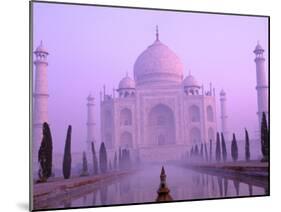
pixel 178 102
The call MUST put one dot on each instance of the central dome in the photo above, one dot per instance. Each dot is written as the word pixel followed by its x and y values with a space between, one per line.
pixel 158 64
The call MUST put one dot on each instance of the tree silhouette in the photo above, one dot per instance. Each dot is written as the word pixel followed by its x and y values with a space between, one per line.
pixel 218 148
pixel 84 165
pixel 247 146
pixel 67 155
pixel 201 152
pixel 211 150
pixel 264 139
pixel 234 148
pixel 120 158
pixel 206 152
pixel 223 147
pixel 125 158
pixel 103 158
pixel 45 154
pixel 129 158
pixel 115 161
pixel 95 160
pixel 196 151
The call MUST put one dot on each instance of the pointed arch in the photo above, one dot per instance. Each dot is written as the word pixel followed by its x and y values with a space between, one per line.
pixel 161 125
pixel 194 113
pixel 125 117
pixel 210 114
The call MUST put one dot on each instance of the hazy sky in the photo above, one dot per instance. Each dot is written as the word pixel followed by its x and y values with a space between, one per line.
pixel 92 46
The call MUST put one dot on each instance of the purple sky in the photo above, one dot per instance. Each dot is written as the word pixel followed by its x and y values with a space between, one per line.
pixel 91 46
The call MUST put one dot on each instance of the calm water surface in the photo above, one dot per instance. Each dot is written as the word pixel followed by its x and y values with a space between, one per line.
pixel 184 184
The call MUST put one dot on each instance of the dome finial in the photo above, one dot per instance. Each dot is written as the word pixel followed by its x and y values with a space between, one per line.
pixel 127 74
pixel 157 33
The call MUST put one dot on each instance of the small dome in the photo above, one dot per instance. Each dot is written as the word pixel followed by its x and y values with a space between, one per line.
pixel 190 81
pixel 41 48
pixel 126 83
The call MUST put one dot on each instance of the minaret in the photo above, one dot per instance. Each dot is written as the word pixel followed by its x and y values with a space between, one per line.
pixel 224 128
pixel 163 191
pixel 262 87
pixel 90 122
pixel 40 101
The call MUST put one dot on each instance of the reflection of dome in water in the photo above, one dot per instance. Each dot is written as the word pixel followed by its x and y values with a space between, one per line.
pixel 158 63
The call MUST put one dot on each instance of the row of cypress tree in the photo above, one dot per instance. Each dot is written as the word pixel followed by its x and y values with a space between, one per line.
pixel 220 149
pixel 104 165
pixel 45 156
pixel 46 148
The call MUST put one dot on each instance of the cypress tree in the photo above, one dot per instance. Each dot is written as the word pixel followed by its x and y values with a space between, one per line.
pixel 191 152
pixel 45 154
pixel 201 151
pixel 103 158
pixel 211 149
pixel 95 160
pixel 223 147
pixel 120 158
pixel 115 161
pixel 247 146
pixel 129 158
pixel 196 151
pixel 264 139
pixel 67 155
pixel 84 165
pixel 218 148
pixel 206 152
pixel 234 148
pixel 124 158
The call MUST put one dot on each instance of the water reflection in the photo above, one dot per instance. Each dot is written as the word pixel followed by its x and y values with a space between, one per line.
pixel 94 198
pixel 250 190
pixel 103 194
pixel 184 184
pixel 225 184
pixel 236 185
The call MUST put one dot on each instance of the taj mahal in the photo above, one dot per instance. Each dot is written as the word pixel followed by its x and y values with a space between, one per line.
pixel 158 113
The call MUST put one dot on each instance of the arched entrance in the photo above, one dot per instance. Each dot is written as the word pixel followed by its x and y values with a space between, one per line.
pixel 125 117
pixel 161 126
